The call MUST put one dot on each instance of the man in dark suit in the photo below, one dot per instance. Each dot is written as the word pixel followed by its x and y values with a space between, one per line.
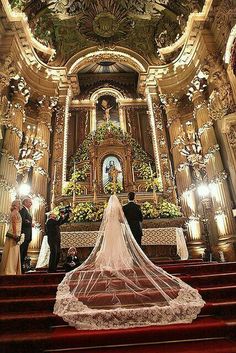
pixel 134 217
pixel 26 228
pixel 52 230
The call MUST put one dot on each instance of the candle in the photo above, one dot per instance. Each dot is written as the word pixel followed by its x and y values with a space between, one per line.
pixel 94 176
pixel 73 199
pixel 150 170
pixel 133 174
pixel 53 186
pixel 55 173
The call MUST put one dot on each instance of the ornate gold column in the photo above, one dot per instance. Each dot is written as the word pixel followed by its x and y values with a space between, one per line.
pixel 10 150
pixel 57 150
pixel 222 204
pixel 122 118
pixel 152 102
pixel 227 127
pixel 40 170
pixel 185 184
pixel 160 144
pixel 7 71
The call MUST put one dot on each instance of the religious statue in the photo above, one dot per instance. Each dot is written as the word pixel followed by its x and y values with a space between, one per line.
pixel 112 172
pixel 106 110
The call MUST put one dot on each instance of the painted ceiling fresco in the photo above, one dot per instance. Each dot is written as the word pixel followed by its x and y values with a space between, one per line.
pixel 72 25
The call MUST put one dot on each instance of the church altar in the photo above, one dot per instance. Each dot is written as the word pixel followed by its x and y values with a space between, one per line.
pixel 170 236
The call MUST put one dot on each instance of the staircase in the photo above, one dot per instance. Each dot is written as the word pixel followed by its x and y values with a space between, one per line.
pixel 27 323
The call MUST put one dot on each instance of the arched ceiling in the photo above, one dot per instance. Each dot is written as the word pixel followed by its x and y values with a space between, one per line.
pixel 106 67
pixel 144 26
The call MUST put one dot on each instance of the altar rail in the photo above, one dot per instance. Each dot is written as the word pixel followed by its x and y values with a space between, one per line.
pixel 86 239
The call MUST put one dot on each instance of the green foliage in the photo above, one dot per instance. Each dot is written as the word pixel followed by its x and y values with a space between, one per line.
pixel 153 184
pixel 164 209
pixel 143 169
pixel 149 210
pixel 87 212
pixel 80 174
pixel 111 188
pixel 168 209
pixel 18 4
pixel 103 132
pixel 44 30
pixel 71 187
pixel 92 212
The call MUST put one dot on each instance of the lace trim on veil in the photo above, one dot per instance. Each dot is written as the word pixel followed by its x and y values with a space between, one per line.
pixel 183 309
pixel 119 287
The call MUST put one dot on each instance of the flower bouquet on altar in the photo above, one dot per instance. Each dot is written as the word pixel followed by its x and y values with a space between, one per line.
pixel 18 239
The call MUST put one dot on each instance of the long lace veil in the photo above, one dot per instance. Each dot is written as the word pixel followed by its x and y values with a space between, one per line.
pixel 118 286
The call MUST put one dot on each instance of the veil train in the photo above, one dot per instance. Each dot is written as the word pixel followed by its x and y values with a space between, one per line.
pixel 119 287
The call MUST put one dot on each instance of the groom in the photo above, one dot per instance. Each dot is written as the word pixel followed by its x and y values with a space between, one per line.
pixel 26 228
pixel 134 217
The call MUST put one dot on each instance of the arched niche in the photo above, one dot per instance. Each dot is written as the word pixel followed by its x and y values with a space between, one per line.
pixel 106 103
pixel 119 150
pixel 111 170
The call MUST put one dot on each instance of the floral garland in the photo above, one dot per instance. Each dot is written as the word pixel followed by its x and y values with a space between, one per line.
pixel 98 136
pixel 72 187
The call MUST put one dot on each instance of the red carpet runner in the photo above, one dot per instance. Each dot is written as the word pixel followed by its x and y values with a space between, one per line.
pixel 28 325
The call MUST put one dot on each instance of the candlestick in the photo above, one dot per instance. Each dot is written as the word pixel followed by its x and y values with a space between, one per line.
pixel 151 172
pixel 55 173
pixel 94 191
pixel 133 174
pixel 53 186
pixel 95 172
pixel 74 196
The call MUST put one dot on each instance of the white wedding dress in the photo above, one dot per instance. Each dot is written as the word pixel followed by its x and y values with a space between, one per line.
pixel 119 287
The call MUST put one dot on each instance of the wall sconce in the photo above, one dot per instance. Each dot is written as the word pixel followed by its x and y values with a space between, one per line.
pixel 204 194
pixel 24 189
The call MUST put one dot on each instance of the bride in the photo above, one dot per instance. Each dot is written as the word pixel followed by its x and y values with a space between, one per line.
pixel 119 287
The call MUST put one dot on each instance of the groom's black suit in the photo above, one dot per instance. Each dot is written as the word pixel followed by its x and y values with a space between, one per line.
pixel 134 217
pixel 26 228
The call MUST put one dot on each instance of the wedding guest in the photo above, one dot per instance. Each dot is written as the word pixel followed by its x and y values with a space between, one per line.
pixel 54 238
pixel 11 264
pixel 134 217
pixel 26 228
pixel 72 260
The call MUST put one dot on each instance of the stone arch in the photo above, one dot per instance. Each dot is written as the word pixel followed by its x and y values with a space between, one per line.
pixel 121 55
pixel 106 90
pixel 229 45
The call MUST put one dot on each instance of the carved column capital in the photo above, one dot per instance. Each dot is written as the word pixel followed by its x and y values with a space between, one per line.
pixel 20 92
pixel 45 109
pixel 7 71
pixel 170 102
pixel 196 89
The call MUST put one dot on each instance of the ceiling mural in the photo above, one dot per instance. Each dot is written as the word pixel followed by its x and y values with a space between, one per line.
pixel 142 25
